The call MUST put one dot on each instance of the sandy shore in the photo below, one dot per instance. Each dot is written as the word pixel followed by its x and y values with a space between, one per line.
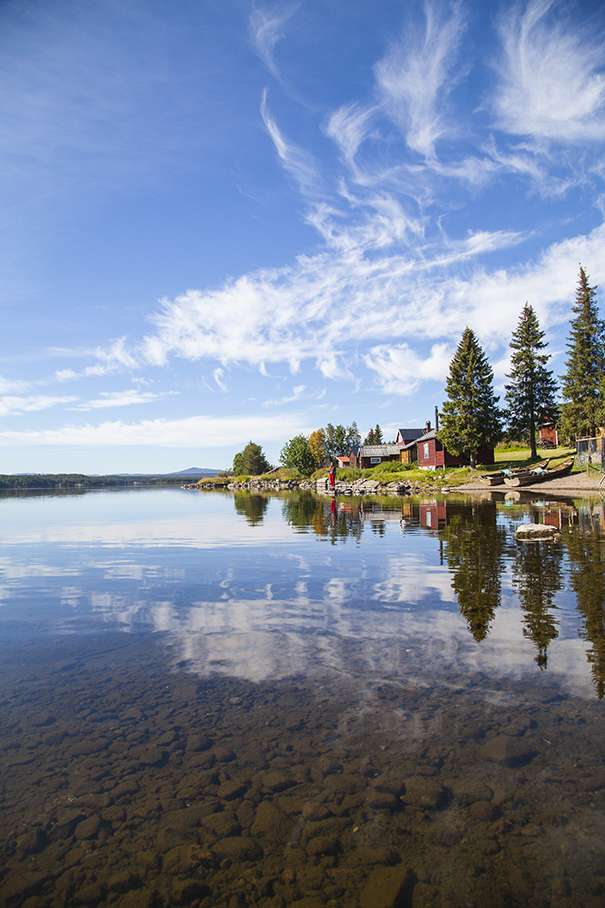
pixel 575 484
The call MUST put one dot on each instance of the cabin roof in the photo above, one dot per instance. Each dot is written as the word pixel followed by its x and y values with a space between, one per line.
pixel 379 450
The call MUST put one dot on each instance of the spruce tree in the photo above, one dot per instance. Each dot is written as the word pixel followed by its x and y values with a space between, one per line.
pixel 470 419
pixel 583 389
pixel 532 391
pixel 374 436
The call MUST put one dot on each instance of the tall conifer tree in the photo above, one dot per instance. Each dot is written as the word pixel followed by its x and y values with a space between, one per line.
pixel 531 394
pixel 470 419
pixel 583 410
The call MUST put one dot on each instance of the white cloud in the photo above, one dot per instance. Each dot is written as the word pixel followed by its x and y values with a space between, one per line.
pixel 266 30
pixel 551 86
pixel 417 74
pixel 16 406
pixel 195 431
pixel 123 399
pixel 218 377
pixel 8 385
pixel 401 371
pixel 388 275
pixel 296 161
pixel 349 127
pixel 321 306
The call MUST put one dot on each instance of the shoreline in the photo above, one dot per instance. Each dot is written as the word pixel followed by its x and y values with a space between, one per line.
pixel 568 486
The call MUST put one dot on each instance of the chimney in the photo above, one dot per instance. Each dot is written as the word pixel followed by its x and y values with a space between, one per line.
pixel 436 419
pixel 428 425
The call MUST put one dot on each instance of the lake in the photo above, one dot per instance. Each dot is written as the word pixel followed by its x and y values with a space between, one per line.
pixel 227 700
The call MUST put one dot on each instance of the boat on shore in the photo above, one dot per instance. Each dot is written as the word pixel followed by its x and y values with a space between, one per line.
pixel 497 479
pixel 538 474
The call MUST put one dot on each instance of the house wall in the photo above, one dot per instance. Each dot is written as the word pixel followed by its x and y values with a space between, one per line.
pixel 432 455
pixel 366 461
pixel 549 434
pixel 432 515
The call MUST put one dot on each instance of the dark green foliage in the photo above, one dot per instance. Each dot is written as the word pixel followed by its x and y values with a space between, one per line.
pixel 81 481
pixel 251 506
pixel 340 439
pixel 583 388
pixel 474 546
pixel 470 418
pixel 531 394
pixel 586 552
pixel 251 461
pixel 297 455
pixel 374 436
pixel 537 577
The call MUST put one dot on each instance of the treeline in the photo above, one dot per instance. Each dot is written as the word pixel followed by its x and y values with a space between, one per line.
pixel 303 453
pixel 471 417
pixel 80 481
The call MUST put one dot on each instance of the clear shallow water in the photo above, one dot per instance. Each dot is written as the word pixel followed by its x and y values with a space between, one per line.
pixel 228 700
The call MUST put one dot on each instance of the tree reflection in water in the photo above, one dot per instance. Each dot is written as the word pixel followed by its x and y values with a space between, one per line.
pixel 474 546
pixel 586 553
pixel 477 549
pixel 537 577
pixel 332 518
pixel 251 506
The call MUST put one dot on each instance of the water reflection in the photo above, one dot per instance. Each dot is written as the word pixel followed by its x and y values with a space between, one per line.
pixel 287 606
pixel 586 554
pixel 474 545
pixel 356 724
pixel 537 577
pixel 334 520
pixel 251 506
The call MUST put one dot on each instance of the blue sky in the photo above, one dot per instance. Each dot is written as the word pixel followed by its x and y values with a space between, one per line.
pixel 225 221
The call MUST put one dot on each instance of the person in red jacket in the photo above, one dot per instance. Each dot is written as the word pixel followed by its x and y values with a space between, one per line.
pixel 332 475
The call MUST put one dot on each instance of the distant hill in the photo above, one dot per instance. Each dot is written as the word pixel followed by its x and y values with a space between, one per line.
pixel 195 472
pixel 191 473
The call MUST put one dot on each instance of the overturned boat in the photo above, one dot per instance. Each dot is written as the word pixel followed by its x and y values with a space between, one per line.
pixel 538 474
pixel 497 479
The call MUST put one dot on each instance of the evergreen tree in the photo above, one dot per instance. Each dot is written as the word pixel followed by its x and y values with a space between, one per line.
pixel 583 410
pixel 374 436
pixel 531 393
pixel 470 419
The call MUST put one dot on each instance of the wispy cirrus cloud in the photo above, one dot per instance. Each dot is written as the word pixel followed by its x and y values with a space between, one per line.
pixel 266 29
pixel 17 406
pixel 324 305
pixel 126 398
pixel 296 161
pixel 388 274
pixel 298 393
pixel 552 84
pixel 417 74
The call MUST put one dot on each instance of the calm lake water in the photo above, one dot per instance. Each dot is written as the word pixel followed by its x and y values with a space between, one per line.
pixel 221 701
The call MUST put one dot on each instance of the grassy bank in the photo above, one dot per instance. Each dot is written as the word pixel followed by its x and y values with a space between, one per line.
pixel 507 457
